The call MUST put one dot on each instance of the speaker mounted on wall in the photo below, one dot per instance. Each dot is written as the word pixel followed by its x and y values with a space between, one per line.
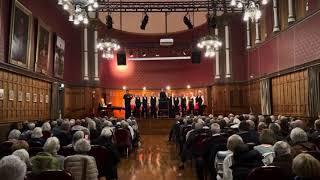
pixel 121 58
pixel 196 57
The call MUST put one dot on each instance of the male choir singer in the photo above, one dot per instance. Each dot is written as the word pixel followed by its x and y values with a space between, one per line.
pixel 137 106
pixel 153 106
pixel 200 101
pixel 145 106
pixel 183 105
pixel 127 103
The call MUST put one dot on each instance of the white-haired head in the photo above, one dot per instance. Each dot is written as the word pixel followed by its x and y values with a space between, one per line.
pixel 252 126
pixel 82 146
pixel 36 133
pixel 215 128
pixel 31 126
pixel 54 124
pixel 77 136
pixel 12 168
pixel 317 124
pixel 281 148
pixel 107 123
pixel 129 122
pixel 233 142
pixel 14 134
pixel 106 132
pixel 72 122
pixel 46 126
pixel 200 121
pixel 124 124
pixel 298 135
pixel 210 116
pixel 65 126
pixel 23 155
pixel 52 145
pixel 198 126
pixel 92 125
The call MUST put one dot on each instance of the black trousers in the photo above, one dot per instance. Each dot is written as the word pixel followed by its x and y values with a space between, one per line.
pixel 153 112
pixel 144 110
pixel 128 112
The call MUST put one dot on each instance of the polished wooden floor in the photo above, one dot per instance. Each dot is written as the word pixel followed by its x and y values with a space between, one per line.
pixel 156 158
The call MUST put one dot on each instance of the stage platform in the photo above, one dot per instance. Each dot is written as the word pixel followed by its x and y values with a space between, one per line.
pixel 155 126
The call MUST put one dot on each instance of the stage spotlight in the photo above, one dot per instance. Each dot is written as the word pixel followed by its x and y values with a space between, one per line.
pixel 124 87
pixel 188 86
pixel 109 22
pixel 144 22
pixel 187 22
pixel 168 88
pixel 144 88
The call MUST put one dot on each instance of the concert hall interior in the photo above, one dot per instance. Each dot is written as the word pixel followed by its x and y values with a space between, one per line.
pixel 167 89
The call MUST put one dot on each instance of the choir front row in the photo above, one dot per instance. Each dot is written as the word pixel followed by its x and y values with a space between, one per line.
pixel 143 106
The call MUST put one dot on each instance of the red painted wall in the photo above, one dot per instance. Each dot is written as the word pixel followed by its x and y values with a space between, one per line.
pixel 295 46
pixel 57 21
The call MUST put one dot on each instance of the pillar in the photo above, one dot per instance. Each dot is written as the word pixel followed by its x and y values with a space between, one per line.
pixel 85 54
pixel 275 17
pixel 217 76
pixel 96 58
pixel 227 39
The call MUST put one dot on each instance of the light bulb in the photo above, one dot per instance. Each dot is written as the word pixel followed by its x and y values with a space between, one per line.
pixel 65 7
pixel 264 2
pixel 85 21
pixel 233 3
pixel 240 5
pixel 76 22
pixel 95 5
pixel 70 18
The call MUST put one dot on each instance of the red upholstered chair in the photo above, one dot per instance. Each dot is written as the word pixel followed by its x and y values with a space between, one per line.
pixel 51 175
pixel 123 140
pixel 266 173
pixel 101 154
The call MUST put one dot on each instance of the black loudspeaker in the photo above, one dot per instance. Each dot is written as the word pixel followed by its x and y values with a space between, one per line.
pixel 121 58
pixel 196 57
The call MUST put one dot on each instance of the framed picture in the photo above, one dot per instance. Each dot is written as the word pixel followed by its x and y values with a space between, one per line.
pixel 35 97
pixel 47 99
pixel 20 96
pixel 1 94
pixel 11 95
pixel 59 57
pixel 41 98
pixel 20 35
pixel 43 49
pixel 28 97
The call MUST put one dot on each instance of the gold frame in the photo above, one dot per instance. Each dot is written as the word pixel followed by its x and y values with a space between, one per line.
pixel 17 4
pixel 44 26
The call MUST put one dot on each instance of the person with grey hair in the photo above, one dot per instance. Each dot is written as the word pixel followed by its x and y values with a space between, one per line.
pixel 26 135
pixel 76 136
pixel 306 167
pixel 300 142
pixel 275 127
pixel 36 139
pixel 12 168
pixel 24 156
pixel 197 128
pixel 94 134
pixel 233 141
pixel 81 162
pixel 283 158
pixel 52 146
pixel 14 135
pixel 64 135
pixel 46 130
pixel 315 133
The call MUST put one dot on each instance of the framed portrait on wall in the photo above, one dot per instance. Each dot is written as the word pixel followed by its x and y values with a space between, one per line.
pixel 11 95
pixel 20 35
pixel 1 94
pixel 43 49
pixel 47 99
pixel 20 96
pixel 28 97
pixel 35 97
pixel 59 57
pixel 41 98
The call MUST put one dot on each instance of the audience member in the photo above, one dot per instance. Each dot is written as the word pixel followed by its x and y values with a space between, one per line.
pixel 12 168
pixel 306 167
pixel 300 142
pixel 52 146
pixel 283 158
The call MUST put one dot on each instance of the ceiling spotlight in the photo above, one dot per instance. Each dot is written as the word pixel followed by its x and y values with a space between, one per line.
pixel 168 87
pixel 144 88
pixel 157 55
pixel 144 54
pixel 144 22
pixel 124 87
pixel 187 22
pixel 188 86
pixel 109 22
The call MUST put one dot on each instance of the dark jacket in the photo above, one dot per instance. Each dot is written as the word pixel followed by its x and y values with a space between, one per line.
pixel 244 161
pixel 301 147
pixel 36 142
pixel 285 163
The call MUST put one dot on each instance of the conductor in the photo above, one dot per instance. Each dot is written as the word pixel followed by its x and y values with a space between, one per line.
pixel 127 106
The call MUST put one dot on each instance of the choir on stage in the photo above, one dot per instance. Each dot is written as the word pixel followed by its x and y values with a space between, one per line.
pixel 144 106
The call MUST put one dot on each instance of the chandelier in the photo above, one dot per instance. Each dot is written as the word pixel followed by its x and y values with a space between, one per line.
pixel 108 47
pixel 251 8
pixel 78 9
pixel 210 44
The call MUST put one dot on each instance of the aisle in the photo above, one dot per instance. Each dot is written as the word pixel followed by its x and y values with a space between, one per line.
pixel 157 158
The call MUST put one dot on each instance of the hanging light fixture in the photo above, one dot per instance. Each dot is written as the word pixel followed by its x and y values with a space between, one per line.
pixel 78 9
pixel 210 43
pixel 108 47
pixel 251 8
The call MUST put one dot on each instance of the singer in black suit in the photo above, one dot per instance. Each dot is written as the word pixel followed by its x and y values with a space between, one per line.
pixel 138 106
pixel 127 106
pixel 153 106
pixel 183 105
pixel 145 106
pixel 199 101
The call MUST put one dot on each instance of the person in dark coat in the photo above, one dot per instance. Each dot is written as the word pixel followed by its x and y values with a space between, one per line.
pixel 199 101
pixel 244 161
pixel 127 103
pixel 299 139
pixel 153 106
pixel 176 103
pixel 138 106
pixel 145 106
pixel 170 102
pixel 105 140
pixel 283 158
pixel 183 105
